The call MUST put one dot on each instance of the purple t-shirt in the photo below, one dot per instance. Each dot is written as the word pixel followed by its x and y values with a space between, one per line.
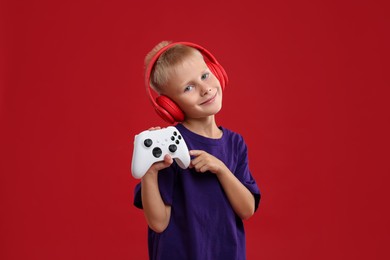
pixel 203 224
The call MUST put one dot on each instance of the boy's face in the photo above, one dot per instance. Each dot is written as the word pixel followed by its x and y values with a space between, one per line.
pixel 194 88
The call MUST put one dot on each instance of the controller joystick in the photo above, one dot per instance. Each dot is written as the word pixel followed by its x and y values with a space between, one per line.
pixel 151 146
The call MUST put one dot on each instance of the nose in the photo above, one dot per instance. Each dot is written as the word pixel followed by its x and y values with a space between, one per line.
pixel 204 89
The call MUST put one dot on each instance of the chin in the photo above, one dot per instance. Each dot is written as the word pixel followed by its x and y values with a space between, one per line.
pixel 210 112
pixel 217 109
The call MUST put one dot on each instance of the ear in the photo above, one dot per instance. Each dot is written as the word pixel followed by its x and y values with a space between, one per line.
pixel 169 110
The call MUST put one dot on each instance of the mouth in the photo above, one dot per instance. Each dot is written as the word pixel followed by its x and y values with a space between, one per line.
pixel 210 100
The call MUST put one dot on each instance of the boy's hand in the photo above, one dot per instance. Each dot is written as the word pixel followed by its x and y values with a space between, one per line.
pixel 158 166
pixel 204 161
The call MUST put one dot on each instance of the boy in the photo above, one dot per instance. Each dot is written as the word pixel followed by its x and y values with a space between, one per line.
pixel 195 213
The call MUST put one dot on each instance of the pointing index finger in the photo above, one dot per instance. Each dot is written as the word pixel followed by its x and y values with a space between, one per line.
pixel 195 152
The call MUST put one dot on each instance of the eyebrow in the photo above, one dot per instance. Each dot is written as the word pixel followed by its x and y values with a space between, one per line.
pixel 205 70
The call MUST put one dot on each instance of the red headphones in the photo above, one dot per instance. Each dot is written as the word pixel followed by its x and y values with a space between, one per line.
pixel 164 106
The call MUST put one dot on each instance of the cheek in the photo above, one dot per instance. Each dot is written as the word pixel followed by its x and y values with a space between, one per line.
pixel 220 92
pixel 215 81
pixel 185 105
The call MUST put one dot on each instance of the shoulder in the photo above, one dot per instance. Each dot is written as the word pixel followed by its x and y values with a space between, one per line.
pixel 232 136
pixel 234 142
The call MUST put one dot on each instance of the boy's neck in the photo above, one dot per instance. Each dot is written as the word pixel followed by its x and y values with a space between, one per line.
pixel 206 127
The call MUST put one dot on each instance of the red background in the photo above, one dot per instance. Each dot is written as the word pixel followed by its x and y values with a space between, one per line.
pixel 308 91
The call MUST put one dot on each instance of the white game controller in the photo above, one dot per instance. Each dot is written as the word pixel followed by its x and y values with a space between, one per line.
pixel 151 146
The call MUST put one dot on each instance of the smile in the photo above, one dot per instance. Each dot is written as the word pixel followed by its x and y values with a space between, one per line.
pixel 210 100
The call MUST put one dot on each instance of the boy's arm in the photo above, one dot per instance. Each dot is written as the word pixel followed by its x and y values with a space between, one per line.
pixel 241 199
pixel 157 214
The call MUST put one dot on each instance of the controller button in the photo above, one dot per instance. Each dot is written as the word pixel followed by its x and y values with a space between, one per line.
pixel 172 138
pixel 148 142
pixel 157 152
pixel 175 133
pixel 172 148
pixel 177 142
pixel 179 137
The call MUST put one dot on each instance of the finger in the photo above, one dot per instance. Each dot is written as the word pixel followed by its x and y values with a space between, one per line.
pixel 196 161
pixel 168 159
pixel 202 156
pixel 196 152
pixel 199 165
pixel 158 166
pixel 154 128
pixel 203 169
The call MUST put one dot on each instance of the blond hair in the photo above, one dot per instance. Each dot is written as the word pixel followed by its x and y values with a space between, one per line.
pixel 163 67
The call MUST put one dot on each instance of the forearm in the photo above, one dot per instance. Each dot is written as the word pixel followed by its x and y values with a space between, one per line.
pixel 157 214
pixel 241 199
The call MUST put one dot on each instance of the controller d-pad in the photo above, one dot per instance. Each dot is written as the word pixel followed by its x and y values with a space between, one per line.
pixel 157 152
pixel 172 148
pixel 148 142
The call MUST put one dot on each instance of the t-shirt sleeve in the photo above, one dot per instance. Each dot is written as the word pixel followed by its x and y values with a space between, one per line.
pixel 243 172
pixel 137 196
pixel 166 179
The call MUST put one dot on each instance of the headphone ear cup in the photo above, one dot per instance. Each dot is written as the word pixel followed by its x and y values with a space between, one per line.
pixel 218 72
pixel 168 110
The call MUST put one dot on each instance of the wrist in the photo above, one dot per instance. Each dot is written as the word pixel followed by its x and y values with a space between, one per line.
pixel 151 174
pixel 222 170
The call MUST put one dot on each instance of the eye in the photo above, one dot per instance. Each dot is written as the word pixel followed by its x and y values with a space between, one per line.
pixel 205 75
pixel 188 88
